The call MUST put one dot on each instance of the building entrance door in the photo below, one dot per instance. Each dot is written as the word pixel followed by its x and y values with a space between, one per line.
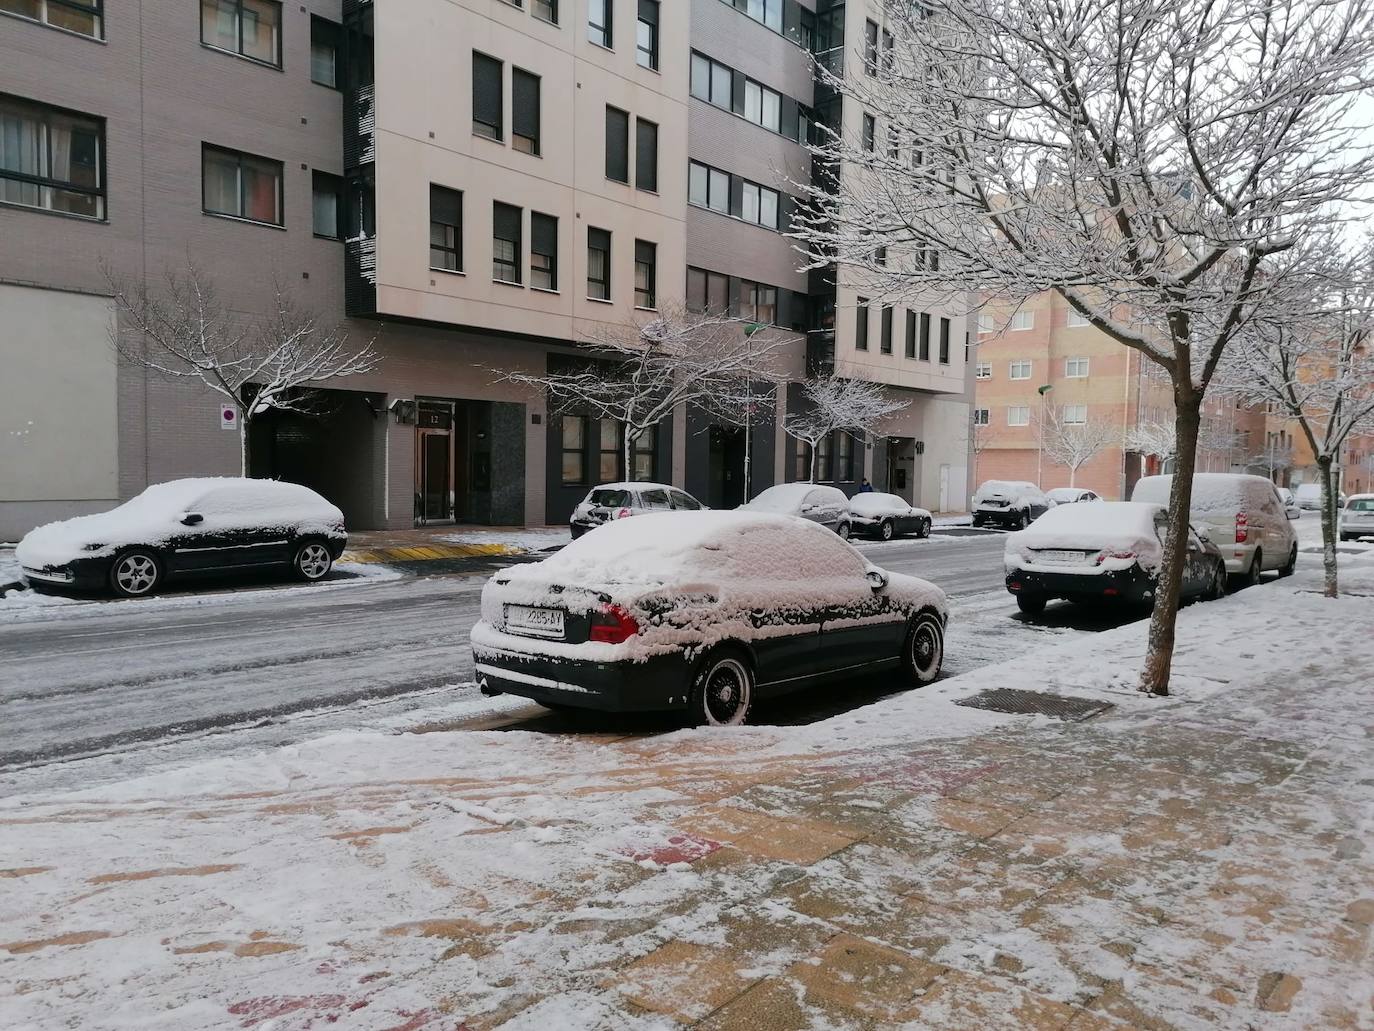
pixel 434 461
pixel 726 485
pixel 944 488
pixel 901 468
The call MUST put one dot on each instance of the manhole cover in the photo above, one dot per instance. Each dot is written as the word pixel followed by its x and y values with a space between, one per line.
pixel 1032 703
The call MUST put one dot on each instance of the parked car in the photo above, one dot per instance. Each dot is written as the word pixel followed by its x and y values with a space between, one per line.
pixel 815 502
pixel 621 500
pixel 703 614
pixel 1309 496
pixel 1291 508
pixel 186 528
pixel 1070 495
pixel 1357 517
pixel 1014 503
pixel 1113 549
pixel 884 516
pixel 1242 514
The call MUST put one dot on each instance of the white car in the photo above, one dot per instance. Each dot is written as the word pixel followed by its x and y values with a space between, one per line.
pixel 1241 514
pixel 884 516
pixel 1014 503
pixel 701 613
pixel 1071 495
pixel 1357 517
pixel 1309 496
pixel 812 501
pixel 609 501
pixel 1291 508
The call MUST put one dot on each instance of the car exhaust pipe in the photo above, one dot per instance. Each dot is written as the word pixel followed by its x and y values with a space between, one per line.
pixel 487 689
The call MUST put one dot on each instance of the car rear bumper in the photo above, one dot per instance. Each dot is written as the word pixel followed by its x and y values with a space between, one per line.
pixel 1131 584
pixel 1002 515
pixel 658 683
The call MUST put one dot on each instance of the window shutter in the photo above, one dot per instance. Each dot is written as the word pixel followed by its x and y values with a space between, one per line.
pixel 617 145
pixel 736 196
pixel 646 155
pixel 788 118
pixel 786 205
pixel 506 222
pixel 737 93
pixel 791 25
pixel 733 292
pixel 543 233
pixel 648 11
pixel 486 90
pixel 525 103
pixel 445 206
pixel 784 317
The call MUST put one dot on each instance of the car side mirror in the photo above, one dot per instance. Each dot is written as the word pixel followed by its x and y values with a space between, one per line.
pixel 808 508
pixel 877 579
pixel 192 519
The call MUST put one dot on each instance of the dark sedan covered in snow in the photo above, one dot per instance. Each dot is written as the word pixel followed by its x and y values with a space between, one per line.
pixel 702 612
pixel 885 516
pixel 188 527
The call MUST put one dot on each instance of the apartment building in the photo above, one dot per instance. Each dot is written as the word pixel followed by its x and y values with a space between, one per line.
pixel 1041 363
pixel 475 186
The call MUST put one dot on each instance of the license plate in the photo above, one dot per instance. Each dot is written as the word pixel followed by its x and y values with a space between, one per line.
pixel 535 621
pixel 1061 558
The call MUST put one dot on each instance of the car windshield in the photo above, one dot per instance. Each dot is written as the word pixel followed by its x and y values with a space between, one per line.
pixel 610 498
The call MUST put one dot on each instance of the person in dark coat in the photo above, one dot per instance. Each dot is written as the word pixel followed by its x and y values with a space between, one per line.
pixel 865 487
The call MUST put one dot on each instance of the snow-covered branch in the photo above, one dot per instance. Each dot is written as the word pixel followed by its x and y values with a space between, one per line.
pixel 1074 445
pixel 832 404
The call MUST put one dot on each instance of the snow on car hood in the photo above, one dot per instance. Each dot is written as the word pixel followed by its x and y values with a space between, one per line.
pixel 1126 526
pixel 153 517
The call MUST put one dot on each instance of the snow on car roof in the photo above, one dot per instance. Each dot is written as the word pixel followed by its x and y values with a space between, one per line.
pixel 783 496
pixel 1006 485
pixel 876 501
pixel 1108 517
pixel 1211 491
pixel 636 485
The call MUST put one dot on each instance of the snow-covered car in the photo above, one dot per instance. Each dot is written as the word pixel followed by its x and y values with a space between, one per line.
pixel 186 528
pixel 1291 508
pixel 1309 496
pixel 1113 549
pixel 621 500
pixel 812 501
pixel 1014 503
pixel 702 613
pixel 884 516
pixel 1070 495
pixel 1242 514
pixel 1357 517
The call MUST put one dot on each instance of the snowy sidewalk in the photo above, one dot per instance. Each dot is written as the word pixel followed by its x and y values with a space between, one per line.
pixel 1201 861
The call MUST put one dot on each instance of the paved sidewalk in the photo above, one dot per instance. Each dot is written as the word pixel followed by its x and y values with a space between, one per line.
pixel 425 544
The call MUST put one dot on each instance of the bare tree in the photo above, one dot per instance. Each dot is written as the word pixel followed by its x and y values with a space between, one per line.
pixel 1074 445
pixel 639 372
pixel 981 437
pixel 271 361
pixel 1318 371
pixel 1152 161
pixel 1155 439
pixel 856 407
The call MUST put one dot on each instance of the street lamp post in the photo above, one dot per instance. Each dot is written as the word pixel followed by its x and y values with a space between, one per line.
pixel 1040 451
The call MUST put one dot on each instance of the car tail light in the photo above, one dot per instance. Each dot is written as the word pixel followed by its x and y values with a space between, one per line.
pixel 1110 553
pixel 1242 527
pixel 623 513
pixel 613 625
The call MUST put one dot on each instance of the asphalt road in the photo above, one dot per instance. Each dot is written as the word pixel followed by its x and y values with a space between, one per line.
pixel 124 677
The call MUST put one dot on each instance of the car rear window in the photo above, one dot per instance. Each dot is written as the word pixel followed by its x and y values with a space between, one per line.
pixel 1360 505
pixel 611 498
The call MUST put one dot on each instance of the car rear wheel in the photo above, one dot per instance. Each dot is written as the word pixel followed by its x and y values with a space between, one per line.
pixel 135 573
pixel 312 561
pixel 723 692
pixel 924 529
pixel 886 530
pixel 1287 568
pixel 1251 576
pixel 1216 590
pixel 924 651
pixel 1031 604
pixel 843 531
pixel 1023 520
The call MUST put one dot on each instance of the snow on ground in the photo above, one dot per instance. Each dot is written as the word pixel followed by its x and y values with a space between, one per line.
pixel 533 538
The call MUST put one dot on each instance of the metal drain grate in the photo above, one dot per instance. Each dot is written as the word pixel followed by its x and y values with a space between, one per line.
pixel 1032 703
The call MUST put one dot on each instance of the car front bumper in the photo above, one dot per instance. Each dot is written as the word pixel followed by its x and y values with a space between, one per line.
pixel 661 682
pixel 1131 584
pixel 87 574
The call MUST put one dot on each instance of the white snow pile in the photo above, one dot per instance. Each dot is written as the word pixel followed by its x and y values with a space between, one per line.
pixel 787 498
pixel 876 504
pixel 691 579
pixel 154 517
pixel 1120 527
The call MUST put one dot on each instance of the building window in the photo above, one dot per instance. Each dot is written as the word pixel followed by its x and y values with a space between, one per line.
pixel 980 417
pixel 486 97
pixel 1075 415
pixel 711 81
pixel 326 195
pixel 760 205
pixel 1021 370
pixel 861 325
pixel 505 243
pixel 944 341
pixel 608 451
pixel 708 187
pixel 758 303
pixel 870 131
pixel 767 12
pixel 241 185
pixel 1077 319
pixel 911 334
pixel 885 59
pixel 324 51
pixel 543 251
pixel 573 431
pixel 870 48
pixel 885 339
pixel 248 28
pixel 925 336
pixel 445 229
pixel 646 274
pixel 707 291
pixel 51 159
pixel 984 371
pixel 1023 320
pixel 1075 368
pixel 844 457
pixel 985 325
pixel 646 155
pixel 599 22
pixel 642 452
pixel 824 459
pixel 524 114
pixel 801 466
pixel 1018 415
pixel 646 35
pixel 546 9
pixel 598 264
pixel 762 105
pixel 617 145
pixel 86 19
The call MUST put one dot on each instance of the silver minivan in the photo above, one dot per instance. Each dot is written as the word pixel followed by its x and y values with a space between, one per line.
pixel 1242 515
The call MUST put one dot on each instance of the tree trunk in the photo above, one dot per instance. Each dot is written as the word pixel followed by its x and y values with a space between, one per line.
pixel 1159 656
pixel 243 444
pixel 626 447
pixel 811 478
pixel 1331 587
pixel 1073 476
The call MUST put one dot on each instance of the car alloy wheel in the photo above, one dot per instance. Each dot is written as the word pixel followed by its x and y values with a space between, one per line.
pixel 1218 588
pixel 924 652
pixel 885 531
pixel 134 574
pixel 1025 520
pixel 724 692
pixel 313 561
pixel 924 530
pixel 843 531
pixel 1291 564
